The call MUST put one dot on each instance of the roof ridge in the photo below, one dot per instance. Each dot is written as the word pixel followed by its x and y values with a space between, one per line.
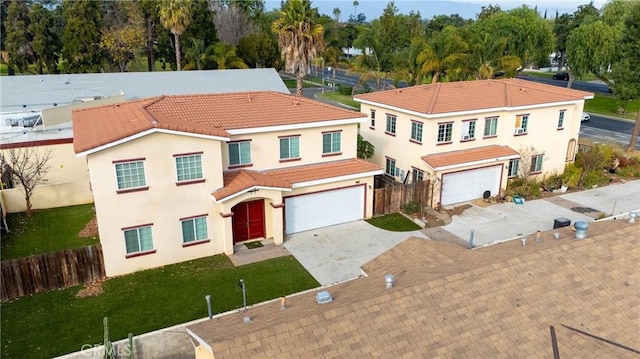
pixel 432 105
pixel 118 104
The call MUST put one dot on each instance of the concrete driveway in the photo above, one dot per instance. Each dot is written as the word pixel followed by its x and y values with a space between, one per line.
pixel 336 253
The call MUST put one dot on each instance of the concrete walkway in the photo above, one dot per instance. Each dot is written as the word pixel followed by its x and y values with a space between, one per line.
pixel 335 254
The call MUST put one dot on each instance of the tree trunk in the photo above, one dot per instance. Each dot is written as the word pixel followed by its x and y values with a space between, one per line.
pixel 177 51
pixel 634 134
pixel 434 79
pixel 151 57
pixel 299 79
pixel 27 199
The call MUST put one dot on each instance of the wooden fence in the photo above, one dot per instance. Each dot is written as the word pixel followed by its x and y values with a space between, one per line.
pixel 45 272
pixel 390 199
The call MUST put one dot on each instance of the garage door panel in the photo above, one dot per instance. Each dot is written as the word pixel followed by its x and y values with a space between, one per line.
pixel 321 209
pixel 469 185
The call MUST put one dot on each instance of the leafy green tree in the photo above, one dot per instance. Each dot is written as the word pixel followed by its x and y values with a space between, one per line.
pixel 175 16
pixel 201 26
pixel 124 35
pixel 198 55
pixel 374 63
pixel 17 39
pixel 224 56
pixel 365 148
pixel 259 50
pixel 81 36
pixel 446 51
pixel 300 37
pixel 406 64
pixel 439 22
pixel 149 12
pixel 393 31
pixel 46 43
pixel 488 11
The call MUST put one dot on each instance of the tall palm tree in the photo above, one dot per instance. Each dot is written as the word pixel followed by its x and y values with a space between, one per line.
pixel 175 16
pixel 198 55
pixel 336 13
pixel 300 38
pixel 447 49
pixel 224 55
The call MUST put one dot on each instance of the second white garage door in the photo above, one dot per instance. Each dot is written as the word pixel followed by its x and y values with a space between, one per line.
pixel 469 185
pixel 322 209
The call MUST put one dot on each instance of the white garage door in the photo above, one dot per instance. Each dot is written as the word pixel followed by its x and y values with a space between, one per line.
pixel 322 209
pixel 468 185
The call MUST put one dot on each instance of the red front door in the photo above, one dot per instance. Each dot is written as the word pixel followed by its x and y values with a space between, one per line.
pixel 248 220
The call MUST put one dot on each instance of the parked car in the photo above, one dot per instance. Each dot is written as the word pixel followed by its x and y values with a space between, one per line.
pixel 561 76
pixel 585 117
pixel 498 74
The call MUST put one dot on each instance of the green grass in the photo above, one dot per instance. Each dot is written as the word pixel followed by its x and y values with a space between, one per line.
pixel 55 323
pixel 607 104
pixel 291 83
pixel 343 99
pixel 47 230
pixel 394 222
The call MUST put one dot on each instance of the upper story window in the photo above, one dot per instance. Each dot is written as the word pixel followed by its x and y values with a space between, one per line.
pixel 130 174
pixel 536 163
pixel 416 131
pixel 390 167
pixel 289 147
pixel 522 122
pixel 444 132
pixel 490 126
pixel 372 117
pixel 194 229
pixel 417 175
pixel 391 124
pixel 189 167
pixel 468 130
pixel 331 142
pixel 561 119
pixel 138 239
pixel 239 153
pixel 513 168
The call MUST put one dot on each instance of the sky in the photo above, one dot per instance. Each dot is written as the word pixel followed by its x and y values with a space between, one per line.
pixel 468 9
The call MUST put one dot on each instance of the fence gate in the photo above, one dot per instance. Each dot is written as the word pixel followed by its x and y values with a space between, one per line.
pixel 390 199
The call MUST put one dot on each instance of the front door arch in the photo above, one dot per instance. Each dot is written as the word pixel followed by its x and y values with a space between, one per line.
pixel 248 220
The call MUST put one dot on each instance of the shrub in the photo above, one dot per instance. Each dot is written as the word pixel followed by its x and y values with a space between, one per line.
pixel 628 171
pixel 411 207
pixel 571 175
pixel 516 187
pixel 346 90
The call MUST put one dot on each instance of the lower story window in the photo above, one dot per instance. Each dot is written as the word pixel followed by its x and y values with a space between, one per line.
pixel 536 163
pixel 418 175
pixel 390 168
pixel 138 240
pixel 513 168
pixel 194 229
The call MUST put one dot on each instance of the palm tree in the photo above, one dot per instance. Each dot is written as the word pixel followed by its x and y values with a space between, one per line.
pixel 355 8
pixel 175 16
pixel 336 13
pixel 224 55
pixel 198 55
pixel 300 38
pixel 447 49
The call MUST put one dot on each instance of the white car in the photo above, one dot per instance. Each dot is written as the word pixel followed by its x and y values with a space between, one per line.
pixel 585 117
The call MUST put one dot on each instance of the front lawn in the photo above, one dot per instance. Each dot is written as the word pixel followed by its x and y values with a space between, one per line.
pixel 607 104
pixel 58 322
pixel 47 230
pixel 394 222
pixel 343 99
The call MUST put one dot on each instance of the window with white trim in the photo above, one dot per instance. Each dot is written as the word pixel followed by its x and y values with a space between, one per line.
pixel 417 175
pixel 331 142
pixel 194 229
pixel 522 122
pixel 138 240
pixel 513 168
pixel 416 131
pixel 391 124
pixel 372 117
pixel 130 175
pixel 468 130
pixel 239 153
pixel 390 167
pixel 490 126
pixel 189 167
pixel 561 119
pixel 536 163
pixel 444 132
pixel 289 147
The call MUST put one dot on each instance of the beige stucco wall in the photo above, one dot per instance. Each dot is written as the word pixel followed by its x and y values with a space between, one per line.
pixel 542 134
pixel 163 204
pixel 265 147
pixel 67 182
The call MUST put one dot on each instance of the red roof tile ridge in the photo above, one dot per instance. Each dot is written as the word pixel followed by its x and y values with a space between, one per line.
pixel 434 98
pixel 144 101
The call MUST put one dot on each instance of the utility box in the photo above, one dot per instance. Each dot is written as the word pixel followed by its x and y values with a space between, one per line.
pixel 561 222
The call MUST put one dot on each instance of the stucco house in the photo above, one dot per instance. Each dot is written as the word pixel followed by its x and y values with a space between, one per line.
pixel 470 137
pixel 176 178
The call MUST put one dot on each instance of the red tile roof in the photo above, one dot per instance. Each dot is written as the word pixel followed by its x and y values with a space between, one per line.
pixel 470 155
pixel 210 114
pixel 441 98
pixel 237 181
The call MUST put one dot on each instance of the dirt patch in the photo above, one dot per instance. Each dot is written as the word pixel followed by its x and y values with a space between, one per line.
pixel 457 210
pixel 90 230
pixel 91 289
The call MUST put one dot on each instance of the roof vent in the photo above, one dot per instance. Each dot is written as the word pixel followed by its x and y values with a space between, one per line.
pixel 296 103
pixel 581 229
pixel 324 297
pixel 632 217
pixel 389 279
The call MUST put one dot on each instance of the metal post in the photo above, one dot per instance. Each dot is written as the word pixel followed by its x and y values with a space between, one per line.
pixel 554 343
pixel 208 299
pixel 323 75
pixel 471 239
pixel 244 295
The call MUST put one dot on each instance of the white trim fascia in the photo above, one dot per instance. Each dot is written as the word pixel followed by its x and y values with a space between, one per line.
pixel 336 179
pixel 148 132
pixel 199 340
pixel 474 163
pixel 471 112
pixel 296 126
pixel 247 190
